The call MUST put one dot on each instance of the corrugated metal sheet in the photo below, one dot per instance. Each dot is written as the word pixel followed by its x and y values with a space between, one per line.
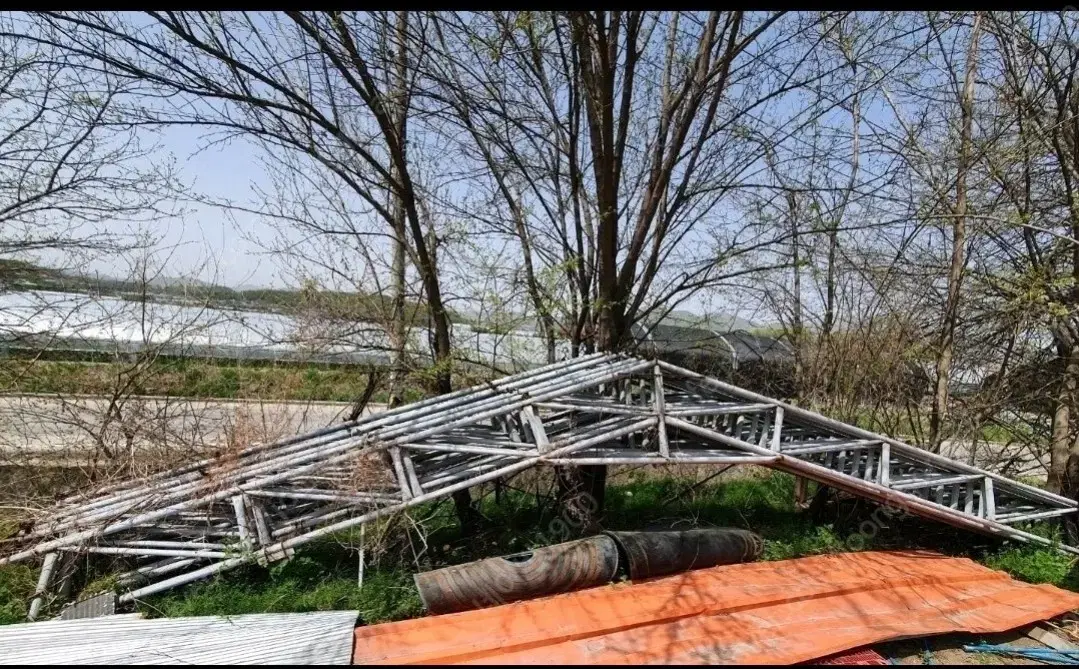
pixel 94 607
pixel 266 638
pixel 754 613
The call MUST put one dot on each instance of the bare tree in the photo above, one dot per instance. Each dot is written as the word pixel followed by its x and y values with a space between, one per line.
pixel 326 101
pixel 1037 175
pixel 78 183
pixel 518 115
pixel 312 84
pixel 908 216
pixel 73 171
pixel 946 342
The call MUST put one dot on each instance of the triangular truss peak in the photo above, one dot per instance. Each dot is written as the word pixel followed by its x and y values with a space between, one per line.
pixel 261 503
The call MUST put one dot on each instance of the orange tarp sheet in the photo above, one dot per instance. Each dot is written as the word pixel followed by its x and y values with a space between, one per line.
pixel 762 612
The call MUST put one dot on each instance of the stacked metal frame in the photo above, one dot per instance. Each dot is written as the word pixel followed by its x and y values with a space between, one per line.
pixel 261 503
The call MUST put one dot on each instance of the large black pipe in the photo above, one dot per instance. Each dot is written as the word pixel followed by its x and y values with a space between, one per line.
pixel 657 553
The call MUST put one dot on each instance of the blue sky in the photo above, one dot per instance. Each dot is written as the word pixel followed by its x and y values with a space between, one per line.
pixel 207 235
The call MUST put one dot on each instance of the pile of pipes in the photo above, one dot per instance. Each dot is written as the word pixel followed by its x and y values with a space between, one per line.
pixel 259 503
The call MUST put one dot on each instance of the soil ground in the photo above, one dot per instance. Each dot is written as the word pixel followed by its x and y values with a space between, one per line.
pixel 948 648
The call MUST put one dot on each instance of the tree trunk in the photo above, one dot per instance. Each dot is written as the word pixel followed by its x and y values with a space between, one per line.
pixel 467 515
pixel 1070 489
pixel 426 243
pixel 546 319
pixel 946 342
pixel 828 322
pixel 595 38
pixel 797 325
pixel 581 493
pixel 829 298
pixel 1062 443
pixel 396 85
pixel 397 315
pixel 361 402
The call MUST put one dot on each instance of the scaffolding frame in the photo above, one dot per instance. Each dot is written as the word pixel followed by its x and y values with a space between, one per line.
pixel 261 503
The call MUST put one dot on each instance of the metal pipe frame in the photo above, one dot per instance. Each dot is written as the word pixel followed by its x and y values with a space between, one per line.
pixel 266 500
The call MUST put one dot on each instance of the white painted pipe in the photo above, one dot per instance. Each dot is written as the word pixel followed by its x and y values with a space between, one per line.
pixel 555 386
pixel 413 410
pixel 367 517
pixel 162 552
pixel 897 499
pixel 47 569
pixel 852 431
pixel 160 568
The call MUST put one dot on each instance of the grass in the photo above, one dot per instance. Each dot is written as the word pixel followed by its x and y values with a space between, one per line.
pixel 1002 434
pixel 1036 565
pixel 323 575
pixel 188 378
pixel 16 589
pixel 385 595
pixel 174 377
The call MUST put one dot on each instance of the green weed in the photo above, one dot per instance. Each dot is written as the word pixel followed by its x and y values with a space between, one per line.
pixel 299 586
pixel 1036 565
pixel 17 584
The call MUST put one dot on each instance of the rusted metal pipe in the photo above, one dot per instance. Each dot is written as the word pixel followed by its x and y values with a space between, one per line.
pixel 584 563
pixel 652 554
pixel 560 568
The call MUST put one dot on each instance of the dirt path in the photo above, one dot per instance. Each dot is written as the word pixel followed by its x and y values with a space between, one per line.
pixel 948 649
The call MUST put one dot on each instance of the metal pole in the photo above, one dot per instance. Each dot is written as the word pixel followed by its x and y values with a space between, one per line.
pixel 359 575
pixel 894 498
pixel 43 580
pixel 604 435
pixel 850 430
pixel 336 433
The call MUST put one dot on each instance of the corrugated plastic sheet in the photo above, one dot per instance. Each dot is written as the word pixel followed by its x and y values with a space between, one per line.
pixel 270 638
pixel 757 613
